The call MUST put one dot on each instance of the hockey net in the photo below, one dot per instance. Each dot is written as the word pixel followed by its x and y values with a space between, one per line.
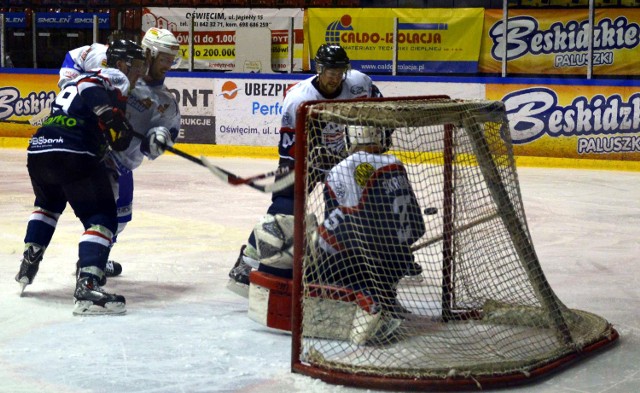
pixel 481 313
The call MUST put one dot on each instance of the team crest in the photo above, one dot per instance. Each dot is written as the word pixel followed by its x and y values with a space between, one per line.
pixel 146 102
pixel 363 173
pixel 355 90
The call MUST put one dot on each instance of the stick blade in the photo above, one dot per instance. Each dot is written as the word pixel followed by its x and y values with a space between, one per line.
pixel 40 117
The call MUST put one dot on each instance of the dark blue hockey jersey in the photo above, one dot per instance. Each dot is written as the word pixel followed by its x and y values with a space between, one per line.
pixel 72 126
pixel 370 206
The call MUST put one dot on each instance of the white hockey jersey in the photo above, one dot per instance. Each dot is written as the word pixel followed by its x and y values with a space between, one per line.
pixel 356 85
pixel 149 105
pixel 82 59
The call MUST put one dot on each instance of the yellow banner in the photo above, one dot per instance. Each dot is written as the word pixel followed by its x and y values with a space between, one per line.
pixel 555 42
pixel 23 96
pixel 429 40
pixel 569 121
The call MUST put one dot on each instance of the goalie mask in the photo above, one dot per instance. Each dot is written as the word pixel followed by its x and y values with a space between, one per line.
pixel 360 135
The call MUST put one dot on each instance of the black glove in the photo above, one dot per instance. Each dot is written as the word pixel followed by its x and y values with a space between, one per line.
pixel 323 159
pixel 115 126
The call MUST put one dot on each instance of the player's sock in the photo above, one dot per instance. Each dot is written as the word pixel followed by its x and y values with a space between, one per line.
pixel 111 269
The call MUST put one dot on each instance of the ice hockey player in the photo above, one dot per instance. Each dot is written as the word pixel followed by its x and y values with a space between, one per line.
pixel 334 79
pixel 151 109
pixel 66 164
pixel 371 220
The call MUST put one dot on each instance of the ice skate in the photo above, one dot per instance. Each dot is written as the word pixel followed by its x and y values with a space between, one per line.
pixel 91 299
pixel 413 273
pixel 111 269
pixel 29 265
pixel 239 276
pixel 376 328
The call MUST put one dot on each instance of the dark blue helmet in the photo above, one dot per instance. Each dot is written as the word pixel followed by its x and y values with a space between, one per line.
pixel 126 50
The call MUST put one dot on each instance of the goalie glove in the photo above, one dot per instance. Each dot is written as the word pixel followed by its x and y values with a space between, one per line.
pixel 115 126
pixel 158 138
pixel 321 160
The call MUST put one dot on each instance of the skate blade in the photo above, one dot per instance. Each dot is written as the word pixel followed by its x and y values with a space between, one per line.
pixel 238 288
pixel 87 308
pixel 23 285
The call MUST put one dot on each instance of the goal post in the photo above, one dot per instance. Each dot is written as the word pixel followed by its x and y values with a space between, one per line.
pixel 474 310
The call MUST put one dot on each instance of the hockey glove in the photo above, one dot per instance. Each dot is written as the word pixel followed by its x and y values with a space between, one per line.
pixel 115 126
pixel 158 139
pixel 323 159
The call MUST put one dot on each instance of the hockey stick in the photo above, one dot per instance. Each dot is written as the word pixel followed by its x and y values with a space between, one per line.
pixel 40 117
pixel 235 180
pixel 231 178
pixel 434 240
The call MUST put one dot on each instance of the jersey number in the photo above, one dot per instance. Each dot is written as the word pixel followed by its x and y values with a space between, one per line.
pixel 64 99
pixel 400 207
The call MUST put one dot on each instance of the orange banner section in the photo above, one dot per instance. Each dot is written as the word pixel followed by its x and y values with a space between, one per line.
pixel 23 96
pixel 568 121
pixel 556 42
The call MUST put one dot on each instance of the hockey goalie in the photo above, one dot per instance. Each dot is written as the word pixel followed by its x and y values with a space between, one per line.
pixel 362 247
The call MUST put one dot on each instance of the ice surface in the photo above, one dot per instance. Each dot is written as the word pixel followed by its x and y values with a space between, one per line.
pixel 184 332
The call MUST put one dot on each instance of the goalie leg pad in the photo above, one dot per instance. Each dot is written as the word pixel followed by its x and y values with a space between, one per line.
pixel 270 300
pixel 274 240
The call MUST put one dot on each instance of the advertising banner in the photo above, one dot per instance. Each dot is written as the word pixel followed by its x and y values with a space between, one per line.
pixel 214 33
pixel 429 40
pixel 223 109
pixel 557 41
pixel 248 111
pixel 15 19
pixel 23 96
pixel 569 121
pixel 70 20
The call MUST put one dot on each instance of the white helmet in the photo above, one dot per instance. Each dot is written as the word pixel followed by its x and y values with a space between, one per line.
pixel 160 41
pixel 368 135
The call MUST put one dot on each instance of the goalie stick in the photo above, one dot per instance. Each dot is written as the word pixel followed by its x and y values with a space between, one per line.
pixel 231 178
pixel 461 228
